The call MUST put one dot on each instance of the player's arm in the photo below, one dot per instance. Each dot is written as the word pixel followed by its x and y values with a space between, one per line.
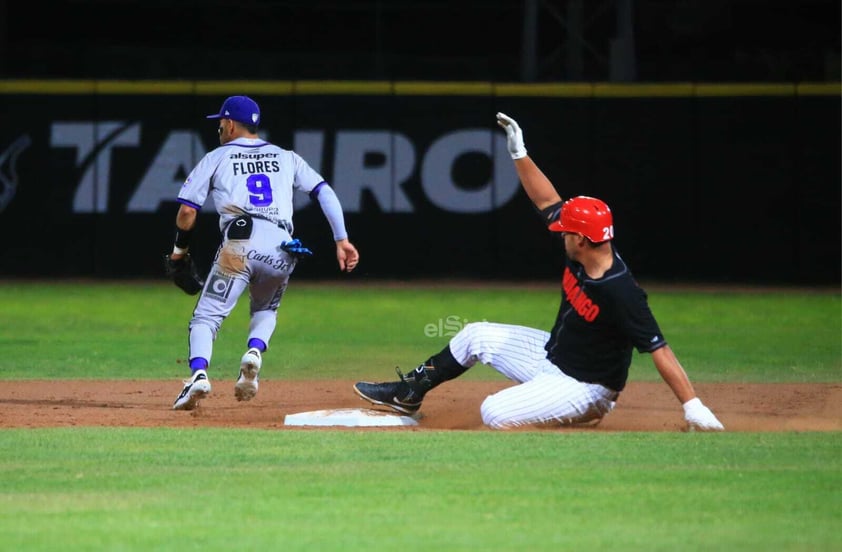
pixel 346 254
pixel 185 221
pixel 697 415
pixel 637 322
pixel 673 373
pixel 179 265
pixel 537 186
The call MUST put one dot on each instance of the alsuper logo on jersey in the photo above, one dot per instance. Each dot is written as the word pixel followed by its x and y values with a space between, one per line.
pixel 577 297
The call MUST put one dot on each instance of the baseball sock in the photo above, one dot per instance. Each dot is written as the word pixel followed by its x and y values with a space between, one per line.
pixel 255 343
pixel 198 363
pixel 435 370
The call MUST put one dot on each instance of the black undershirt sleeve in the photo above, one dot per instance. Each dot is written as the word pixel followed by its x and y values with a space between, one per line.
pixel 550 214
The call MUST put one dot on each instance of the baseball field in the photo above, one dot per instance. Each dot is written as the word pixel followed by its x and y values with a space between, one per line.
pixel 93 458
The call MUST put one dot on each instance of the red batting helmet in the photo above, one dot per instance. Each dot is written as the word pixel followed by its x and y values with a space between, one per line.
pixel 585 215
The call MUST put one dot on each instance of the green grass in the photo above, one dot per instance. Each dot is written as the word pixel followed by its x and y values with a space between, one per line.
pixel 139 330
pixel 141 489
pixel 776 336
pixel 210 489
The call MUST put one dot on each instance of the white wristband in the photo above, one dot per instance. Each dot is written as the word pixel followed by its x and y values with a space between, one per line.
pixel 178 250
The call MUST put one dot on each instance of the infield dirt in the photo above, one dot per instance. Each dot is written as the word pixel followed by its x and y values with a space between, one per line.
pixel 454 406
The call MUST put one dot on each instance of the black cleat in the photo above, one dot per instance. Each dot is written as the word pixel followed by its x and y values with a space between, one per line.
pixel 402 396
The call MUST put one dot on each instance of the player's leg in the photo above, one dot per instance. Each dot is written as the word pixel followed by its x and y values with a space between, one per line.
pixel 513 350
pixel 219 297
pixel 214 305
pixel 270 270
pixel 550 396
pixel 266 296
pixel 265 299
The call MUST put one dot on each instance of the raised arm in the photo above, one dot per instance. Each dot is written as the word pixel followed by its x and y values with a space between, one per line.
pixel 537 186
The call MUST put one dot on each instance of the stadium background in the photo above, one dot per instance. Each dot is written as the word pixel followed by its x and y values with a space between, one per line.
pixel 712 128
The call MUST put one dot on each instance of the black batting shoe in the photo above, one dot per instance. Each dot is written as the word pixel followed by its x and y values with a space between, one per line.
pixel 403 396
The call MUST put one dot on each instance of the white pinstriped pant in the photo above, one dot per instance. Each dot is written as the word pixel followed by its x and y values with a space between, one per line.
pixel 544 394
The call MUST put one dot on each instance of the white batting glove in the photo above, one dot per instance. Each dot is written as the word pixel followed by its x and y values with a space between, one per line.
pixel 514 136
pixel 699 417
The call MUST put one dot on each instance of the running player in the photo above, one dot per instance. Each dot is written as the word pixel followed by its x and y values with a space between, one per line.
pixel 252 183
pixel 574 374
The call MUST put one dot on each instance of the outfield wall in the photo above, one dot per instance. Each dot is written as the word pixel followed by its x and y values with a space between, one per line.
pixel 717 183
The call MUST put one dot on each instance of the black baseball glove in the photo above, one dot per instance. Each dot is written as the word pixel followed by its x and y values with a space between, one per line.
pixel 184 273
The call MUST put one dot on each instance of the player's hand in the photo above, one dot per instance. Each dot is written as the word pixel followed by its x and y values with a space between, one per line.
pixel 514 136
pixel 296 248
pixel 699 417
pixel 347 255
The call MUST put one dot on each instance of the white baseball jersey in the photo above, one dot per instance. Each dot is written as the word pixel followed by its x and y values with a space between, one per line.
pixel 249 176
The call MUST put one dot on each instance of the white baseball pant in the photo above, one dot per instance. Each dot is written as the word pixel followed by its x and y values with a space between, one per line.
pixel 544 394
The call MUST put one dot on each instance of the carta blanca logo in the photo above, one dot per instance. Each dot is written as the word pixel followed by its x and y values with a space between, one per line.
pixel 446 327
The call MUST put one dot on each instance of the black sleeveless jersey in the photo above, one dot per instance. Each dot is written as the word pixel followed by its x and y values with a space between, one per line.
pixel 598 323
